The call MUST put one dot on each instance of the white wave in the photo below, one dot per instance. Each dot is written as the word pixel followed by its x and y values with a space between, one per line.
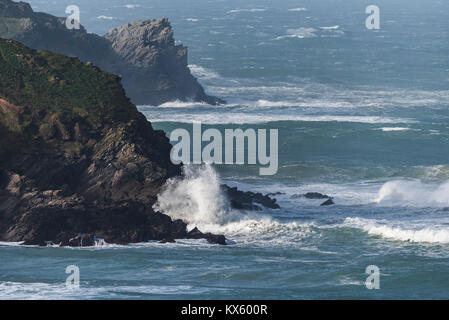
pixel 224 117
pixel 247 10
pixel 388 129
pixel 423 234
pixel 56 291
pixel 197 200
pixel 438 172
pixel 348 281
pixel 305 92
pixel 173 104
pixel 11 244
pixel 192 20
pixel 131 6
pixel 106 18
pixel 297 9
pixel 262 230
pixel 414 194
pixel 203 73
pixel 301 33
pixel 331 28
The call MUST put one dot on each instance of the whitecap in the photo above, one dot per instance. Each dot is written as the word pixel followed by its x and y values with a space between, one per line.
pixel 203 73
pixel 297 9
pixel 389 129
pixel 131 6
pixel 330 28
pixel 106 18
pixel 301 33
pixel 247 10
pixel 401 233
pixel 413 194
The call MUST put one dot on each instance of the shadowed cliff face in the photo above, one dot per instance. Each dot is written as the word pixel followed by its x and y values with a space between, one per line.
pixel 149 47
pixel 153 69
pixel 76 157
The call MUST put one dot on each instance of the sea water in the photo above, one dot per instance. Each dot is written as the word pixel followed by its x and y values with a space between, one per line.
pixel 362 116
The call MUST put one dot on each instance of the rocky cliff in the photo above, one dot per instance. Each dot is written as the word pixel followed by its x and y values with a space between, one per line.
pixel 77 160
pixel 153 68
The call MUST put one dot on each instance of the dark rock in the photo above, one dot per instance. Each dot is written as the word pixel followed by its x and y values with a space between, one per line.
pixel 195 234
pixel 82 240
pixel 315 195
pixel 248 200
pixel 153 68
pixel 328 202
pixel 168 240
pixel 215 239
pixel 211 238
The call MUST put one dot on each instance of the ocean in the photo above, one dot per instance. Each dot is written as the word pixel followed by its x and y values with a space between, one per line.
pixel 362 115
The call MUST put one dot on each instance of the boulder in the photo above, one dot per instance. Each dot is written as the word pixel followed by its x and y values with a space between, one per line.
pixel 328 202
pixel 247 200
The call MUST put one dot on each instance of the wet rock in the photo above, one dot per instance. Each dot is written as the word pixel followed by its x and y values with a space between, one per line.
pixel 168 240
pixel 328 202
pixel 82 240
pixel 211 238
pixel 247 200
pixel 315 195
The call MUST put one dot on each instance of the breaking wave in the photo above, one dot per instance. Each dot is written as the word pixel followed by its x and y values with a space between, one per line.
pixel 422 234
pixel 198 200
pixel 413 194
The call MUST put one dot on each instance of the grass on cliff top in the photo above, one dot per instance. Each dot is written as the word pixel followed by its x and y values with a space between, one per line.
pixel 44 82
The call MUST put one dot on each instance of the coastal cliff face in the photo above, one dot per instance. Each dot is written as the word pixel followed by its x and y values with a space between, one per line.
pixel 153 68
pixel 77 160
pixel 148 48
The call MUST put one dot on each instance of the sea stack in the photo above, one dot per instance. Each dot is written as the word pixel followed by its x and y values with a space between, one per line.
pixel 154 70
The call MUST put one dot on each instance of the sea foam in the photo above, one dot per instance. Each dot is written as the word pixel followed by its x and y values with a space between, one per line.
pixel 401 233
pixel 198 200
pixel 413 194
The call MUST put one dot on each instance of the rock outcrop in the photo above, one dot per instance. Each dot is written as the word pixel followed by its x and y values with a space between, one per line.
pixel 148 48
pixel 153 68
pixel 247 200
pixel 328 202
pixel 77 159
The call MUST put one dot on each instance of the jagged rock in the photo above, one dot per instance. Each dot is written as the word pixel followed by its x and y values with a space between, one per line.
pixel 153 68
pixel 99 172
pixel 168 240
pixel 82 240
pixel 211 238
pixel 328 202
pixel 315 195
pixel 248 200
pixel 310 195
pixel 149 46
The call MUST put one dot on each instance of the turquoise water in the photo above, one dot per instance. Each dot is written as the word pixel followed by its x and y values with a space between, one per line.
pixel 362 116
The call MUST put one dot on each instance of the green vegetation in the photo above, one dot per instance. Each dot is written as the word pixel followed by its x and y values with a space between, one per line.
pixel 43 92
